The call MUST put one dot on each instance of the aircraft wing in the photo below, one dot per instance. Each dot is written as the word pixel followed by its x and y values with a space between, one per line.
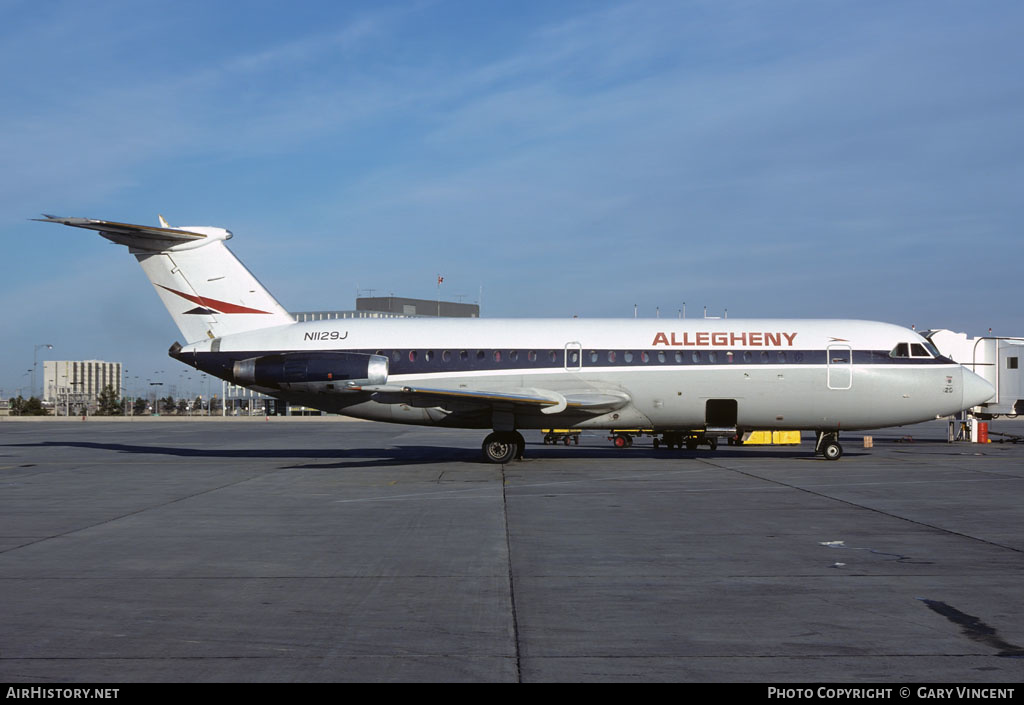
pixel 527 399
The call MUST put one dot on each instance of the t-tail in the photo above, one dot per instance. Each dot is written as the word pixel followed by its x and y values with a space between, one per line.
pixel 206 289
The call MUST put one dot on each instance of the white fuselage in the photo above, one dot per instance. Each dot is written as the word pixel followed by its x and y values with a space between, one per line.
pixel 781 373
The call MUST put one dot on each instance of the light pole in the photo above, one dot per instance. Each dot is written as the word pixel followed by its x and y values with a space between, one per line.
pixel 35 363
pixel 156 400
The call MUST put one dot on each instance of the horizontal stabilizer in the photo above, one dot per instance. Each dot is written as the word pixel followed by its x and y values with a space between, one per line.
pixel 140 236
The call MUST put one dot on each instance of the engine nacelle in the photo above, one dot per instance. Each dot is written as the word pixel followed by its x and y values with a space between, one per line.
pixel 313 371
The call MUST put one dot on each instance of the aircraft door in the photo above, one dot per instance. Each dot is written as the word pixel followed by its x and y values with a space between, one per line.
pixel 840 366
pixel 573 356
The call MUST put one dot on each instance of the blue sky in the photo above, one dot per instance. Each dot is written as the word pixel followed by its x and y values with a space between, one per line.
pixel 787 159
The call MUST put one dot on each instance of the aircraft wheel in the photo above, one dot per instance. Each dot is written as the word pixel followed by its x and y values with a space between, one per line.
pixel 691 444
pixel 657 443
pixel 621 442
pixel 501 447
pixel 832 450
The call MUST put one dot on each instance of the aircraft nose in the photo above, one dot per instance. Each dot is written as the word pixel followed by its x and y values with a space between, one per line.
pixel 977 390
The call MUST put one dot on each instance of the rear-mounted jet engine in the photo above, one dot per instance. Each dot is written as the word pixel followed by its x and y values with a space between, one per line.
pixel 312 371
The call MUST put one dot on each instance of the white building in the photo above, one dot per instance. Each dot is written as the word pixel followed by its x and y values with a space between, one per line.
pixel 79 380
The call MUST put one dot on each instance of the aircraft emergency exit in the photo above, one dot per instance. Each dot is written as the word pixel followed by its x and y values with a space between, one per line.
pixel 718 377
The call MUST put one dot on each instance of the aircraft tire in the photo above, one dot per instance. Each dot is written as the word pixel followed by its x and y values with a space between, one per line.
pixel 691 444
pixel 501 447
pixel 832 451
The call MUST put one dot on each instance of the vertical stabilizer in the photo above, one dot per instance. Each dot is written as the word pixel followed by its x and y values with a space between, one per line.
pixel 206 289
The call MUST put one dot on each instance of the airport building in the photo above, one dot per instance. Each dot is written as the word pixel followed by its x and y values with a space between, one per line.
pixel 395 307
pixel 79 381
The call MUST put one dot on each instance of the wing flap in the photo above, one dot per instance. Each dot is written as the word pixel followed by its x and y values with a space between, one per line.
pixel 527 399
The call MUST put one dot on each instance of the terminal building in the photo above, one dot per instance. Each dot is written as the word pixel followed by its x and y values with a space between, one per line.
pixel 395 307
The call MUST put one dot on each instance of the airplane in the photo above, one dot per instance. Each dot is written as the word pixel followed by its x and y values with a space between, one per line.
pixel 689 379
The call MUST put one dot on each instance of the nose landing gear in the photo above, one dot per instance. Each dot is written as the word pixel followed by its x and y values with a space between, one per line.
pixel 828 445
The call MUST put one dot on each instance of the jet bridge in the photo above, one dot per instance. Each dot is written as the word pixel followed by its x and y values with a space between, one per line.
pixel 997 359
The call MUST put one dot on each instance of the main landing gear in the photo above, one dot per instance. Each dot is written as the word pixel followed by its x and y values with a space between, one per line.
pixel 503 446
pixel 828 445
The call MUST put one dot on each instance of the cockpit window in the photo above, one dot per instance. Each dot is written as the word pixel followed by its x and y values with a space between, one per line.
pixel 914 350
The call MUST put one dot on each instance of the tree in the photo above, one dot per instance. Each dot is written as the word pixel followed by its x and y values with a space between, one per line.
pixel 26 407
pixel 107 403
pixel 167 404
pixel 139 407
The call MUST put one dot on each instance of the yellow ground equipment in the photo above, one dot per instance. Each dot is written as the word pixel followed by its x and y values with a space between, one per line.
pixel 776 438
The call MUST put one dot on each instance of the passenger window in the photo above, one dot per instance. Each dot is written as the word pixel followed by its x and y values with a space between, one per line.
pixel 497 355
pixel 712 357
pixel 679 358
pixel 627 356
pixel 428 355
pixel 695 356
pixel 593 356
pixel 480 354
pixel 611 356
pixel 446 356
pixel 644 357
pixel 532 356
pixel 464 355
pixel 513 355
pixel 412 356
pixel 661 357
